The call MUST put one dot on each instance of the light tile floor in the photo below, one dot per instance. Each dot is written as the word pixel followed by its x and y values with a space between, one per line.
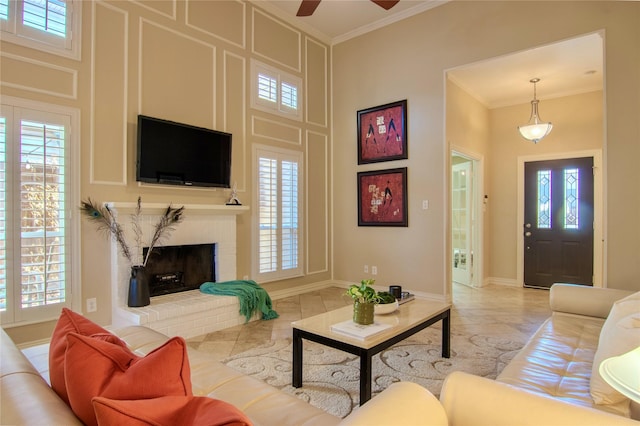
pixel 492 311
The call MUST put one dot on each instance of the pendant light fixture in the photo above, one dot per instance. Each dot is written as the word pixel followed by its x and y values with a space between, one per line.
pixel 535 129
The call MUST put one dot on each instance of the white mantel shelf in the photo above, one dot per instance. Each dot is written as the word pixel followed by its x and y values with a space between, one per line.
pixel 151 208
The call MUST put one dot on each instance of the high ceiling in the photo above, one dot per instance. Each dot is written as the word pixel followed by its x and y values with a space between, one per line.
pixel 567 67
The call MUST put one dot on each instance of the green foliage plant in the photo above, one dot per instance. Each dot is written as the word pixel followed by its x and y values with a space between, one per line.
pixel 363 292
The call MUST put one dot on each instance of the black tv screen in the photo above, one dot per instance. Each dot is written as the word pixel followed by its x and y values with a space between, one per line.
pixel 172 153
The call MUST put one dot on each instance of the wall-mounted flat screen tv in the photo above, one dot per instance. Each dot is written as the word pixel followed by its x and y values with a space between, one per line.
pixel 171 153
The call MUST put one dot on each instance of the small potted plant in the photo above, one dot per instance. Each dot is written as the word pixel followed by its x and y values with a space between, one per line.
pixel 364 298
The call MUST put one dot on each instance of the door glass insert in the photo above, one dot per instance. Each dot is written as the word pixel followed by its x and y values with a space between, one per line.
pixel 571 201
pixel 544 199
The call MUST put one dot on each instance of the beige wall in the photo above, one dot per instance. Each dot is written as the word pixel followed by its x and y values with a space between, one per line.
pixel 468 132
pixel 186 61
pixel 408 60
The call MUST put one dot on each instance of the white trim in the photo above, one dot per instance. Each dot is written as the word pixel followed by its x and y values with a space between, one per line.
pixel 255 11
pixel 125 110
pixel 72 72
pixel 326 201
pixel 307 80
pixel 599 245
pixel 209 33
pixel 242 136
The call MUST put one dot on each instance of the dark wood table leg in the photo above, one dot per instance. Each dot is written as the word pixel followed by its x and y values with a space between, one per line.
pixel 365 377
pixel 446 335
pixel 296 380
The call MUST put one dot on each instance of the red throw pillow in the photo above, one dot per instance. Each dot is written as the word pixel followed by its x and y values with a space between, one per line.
pixel 97 368
pixel 71 322
pixel 169 410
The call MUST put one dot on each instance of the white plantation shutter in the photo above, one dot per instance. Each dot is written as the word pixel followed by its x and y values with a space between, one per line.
pixel 42 202
pixel 3 213
pixel 46 15
pixel 36 232
pixel 51 26
pixel 267 88
pixel 278 221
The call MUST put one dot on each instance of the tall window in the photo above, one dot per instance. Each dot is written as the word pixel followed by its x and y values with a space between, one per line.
pixel 35 202
pixel 275 91
pixel 278 230
pixel 49 25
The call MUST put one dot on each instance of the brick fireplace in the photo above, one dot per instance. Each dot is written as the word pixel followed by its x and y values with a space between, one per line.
pixel 188 313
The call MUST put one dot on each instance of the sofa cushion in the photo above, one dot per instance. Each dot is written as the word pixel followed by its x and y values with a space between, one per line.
pixel 71 322
pixel 99 368
pixel 620 334
pixel 168 410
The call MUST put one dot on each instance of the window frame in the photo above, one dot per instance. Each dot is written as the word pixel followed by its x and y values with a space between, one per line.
pixel 282 78
pixel 15 31
pixel 15 315
pixel 279 154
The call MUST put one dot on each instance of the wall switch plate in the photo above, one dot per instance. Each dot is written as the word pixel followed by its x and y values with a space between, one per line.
pixel 92 305
pixel 374 270
pixel 425 204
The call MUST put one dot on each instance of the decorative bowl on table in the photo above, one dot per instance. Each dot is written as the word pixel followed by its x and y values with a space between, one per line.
pixel 386 308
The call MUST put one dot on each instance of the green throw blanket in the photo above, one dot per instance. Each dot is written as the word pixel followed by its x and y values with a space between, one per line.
pixel 252 297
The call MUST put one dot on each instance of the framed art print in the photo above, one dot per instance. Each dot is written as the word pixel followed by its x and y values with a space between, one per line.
pixel 382 198
pixel 382 133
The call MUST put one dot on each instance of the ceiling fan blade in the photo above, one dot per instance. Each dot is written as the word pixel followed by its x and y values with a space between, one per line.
pixel 386 4
pixel 307 7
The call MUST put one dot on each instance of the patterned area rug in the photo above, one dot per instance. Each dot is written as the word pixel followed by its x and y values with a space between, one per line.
pixel 331 377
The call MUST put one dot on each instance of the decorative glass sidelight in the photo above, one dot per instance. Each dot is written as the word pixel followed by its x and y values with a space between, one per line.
pixel 571 201
pixel 544 199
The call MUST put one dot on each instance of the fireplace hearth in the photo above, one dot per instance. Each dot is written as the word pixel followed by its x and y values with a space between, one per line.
pixel 173 269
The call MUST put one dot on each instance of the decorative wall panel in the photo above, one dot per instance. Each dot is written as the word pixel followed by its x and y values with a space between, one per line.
pixel 317 167
pixel 109 66
pixel 37 76
pixel 316 82
pixel 165 7
pixel 176 76
pixel 222 19
pixel 234 118
pixel 276 41
pixel 273 130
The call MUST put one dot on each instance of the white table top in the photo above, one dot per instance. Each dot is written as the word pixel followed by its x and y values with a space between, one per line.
pixel 407 316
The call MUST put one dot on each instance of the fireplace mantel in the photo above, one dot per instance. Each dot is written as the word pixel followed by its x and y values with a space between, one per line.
pixel 159 208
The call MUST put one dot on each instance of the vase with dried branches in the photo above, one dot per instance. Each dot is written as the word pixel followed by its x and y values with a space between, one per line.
pixel 105 219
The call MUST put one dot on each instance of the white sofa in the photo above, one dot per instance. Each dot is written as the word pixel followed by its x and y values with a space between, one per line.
pixel 547 383
pixel 27 399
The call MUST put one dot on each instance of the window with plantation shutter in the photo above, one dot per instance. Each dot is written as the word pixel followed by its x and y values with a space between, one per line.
pixel 278 233
pixel 275 91
pixel 36 231
pixel 49 25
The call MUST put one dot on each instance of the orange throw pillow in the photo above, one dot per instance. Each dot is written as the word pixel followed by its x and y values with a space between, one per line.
pixel 97 368
pixel 71 322
pixel 169 410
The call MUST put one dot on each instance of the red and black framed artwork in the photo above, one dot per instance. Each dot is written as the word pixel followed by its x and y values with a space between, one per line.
pixel 382 198
pixel 382 133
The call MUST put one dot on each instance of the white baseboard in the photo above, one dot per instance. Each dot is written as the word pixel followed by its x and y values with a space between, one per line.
pixel 508 282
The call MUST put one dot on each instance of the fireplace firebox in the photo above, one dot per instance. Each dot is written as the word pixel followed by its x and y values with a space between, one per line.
pixel 172 269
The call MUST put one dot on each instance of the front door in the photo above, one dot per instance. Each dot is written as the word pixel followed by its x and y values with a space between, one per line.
pixel 558 228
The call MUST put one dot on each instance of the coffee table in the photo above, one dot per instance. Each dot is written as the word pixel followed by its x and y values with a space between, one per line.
pixel 410 318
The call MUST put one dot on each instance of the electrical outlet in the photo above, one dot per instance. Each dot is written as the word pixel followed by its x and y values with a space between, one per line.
pixel 366 269
pixel 92 305
pixel 374 270
pixel 425 204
